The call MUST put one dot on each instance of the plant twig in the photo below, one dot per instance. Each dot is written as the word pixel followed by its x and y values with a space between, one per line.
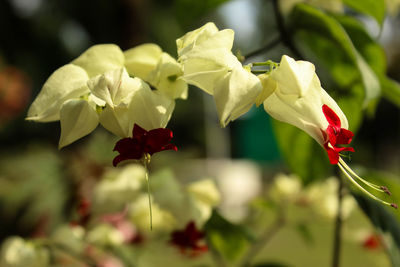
pixel 285 36
pixel 264 238
pixel 271 44
pixel 337 238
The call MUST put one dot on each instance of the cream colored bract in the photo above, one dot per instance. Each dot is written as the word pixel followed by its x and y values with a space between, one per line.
pixel 296 97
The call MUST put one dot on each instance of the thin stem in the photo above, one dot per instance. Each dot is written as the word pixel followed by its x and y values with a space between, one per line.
pixel 337 239
pixel 258 71
pixel 285 36
pixel 148 190
pixel 265 237
pixel 270 45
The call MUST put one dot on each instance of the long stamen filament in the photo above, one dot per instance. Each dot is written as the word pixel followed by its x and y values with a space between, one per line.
pixel 362 188
pixel 374 186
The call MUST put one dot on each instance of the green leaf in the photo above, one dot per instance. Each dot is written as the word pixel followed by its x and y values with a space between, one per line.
pixel 374 54
pixel 309 20
pixel 371 51
pixel 226 238
pixel 304 156
pixel 373 8
pixel 391 90
pixel 386 223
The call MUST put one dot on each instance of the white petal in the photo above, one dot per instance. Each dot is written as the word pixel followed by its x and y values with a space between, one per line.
pixel 142 59
pixel 222 40
pixel 205 191
pixel 145 107
pixel 65 83
pixel 268 87
pixel 303 112
pixel 100 58
pixel 235 94
pixel 189 40
pixel 203 74
pixel 203 68
pixel 150 109
pixel 114 86
pixel 294 77
pixel 78 118
pixel 166 78
pixel 117 120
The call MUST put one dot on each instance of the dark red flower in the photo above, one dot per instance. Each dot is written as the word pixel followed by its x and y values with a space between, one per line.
pixel 336 135
pixel 143 142
pixel 189 240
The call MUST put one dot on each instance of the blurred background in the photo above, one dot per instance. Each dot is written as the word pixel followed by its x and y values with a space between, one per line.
pixel 40 187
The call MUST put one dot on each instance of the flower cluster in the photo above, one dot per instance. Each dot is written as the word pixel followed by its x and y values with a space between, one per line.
pixel 96 88
pixel 108 86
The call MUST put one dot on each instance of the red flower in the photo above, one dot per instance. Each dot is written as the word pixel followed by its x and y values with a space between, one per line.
pixel 372 242
pixel 189 240
pixel 143 142
pixel 336 135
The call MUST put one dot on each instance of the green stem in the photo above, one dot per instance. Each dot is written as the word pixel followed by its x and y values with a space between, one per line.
pixel 258 71
pixel 146 160
pixel 265 237
pixel 274 42
pixel 338 225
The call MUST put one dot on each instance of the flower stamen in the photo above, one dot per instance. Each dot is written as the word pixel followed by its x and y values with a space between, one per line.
pixel 346 170
pixel 379 188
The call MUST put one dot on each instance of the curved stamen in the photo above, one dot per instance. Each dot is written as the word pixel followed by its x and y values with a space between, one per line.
pixel 363 189
pixel 382 189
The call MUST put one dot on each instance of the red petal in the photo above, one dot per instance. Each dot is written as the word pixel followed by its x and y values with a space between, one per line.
pixel 129 148
pixel 157 140
pixel 170 147
pixel 340 149
pixel 332 134
pixel 372 242
pixel 333 155
pixel 331 116
pixel 138 132
pixel 188 238
pixel 345 136
pixel 117 160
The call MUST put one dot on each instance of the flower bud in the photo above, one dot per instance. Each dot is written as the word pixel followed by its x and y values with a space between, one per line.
pixel 16 252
